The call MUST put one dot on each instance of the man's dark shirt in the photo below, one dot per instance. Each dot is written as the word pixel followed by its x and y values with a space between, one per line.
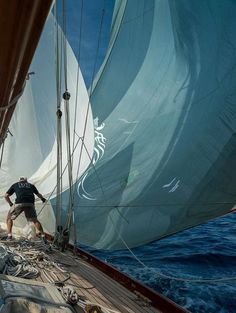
pixel 24 192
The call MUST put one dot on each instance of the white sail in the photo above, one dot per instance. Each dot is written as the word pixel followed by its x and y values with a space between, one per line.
pixel 32 149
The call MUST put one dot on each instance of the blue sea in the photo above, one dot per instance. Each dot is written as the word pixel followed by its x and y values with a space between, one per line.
pixel 206 252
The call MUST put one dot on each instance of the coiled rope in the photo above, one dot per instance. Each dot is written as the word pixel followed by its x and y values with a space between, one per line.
pixel 24 253
pixel 17 265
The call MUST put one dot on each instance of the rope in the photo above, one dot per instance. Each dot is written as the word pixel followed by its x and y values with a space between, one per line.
pixel 34 253
pixel 208 280
pixel 225 279
pixel 78 76
pixel 71 198
pixel 69 162
pixel 93 74
pixel 3 144
pixel 59 131
pixel 13 101
pixel 24 265
pixel 71 216
pixel 221 280
pixel 154 205
pixel 110 47
pixel 75 114
pixel 45 203
pixel 64 42
pixel 17 265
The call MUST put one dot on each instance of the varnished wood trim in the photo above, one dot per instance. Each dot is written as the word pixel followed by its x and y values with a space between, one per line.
pixel 21 24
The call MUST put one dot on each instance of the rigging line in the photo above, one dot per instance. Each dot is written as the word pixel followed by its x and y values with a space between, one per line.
pixel 64 42
pixel 78 71
pixel 95 170
pixel 59 169
pixel 73 194
pixel 93 74
pixel 58 106
pixel 91 163
pixel 100 184
pixel 121 206
pixel 144 265
pixel 75 111
pixel 66 98
pixel 111 45
pixel 88 106
pixel 59 39
pixel 155 205
pixel 56 185
pixel 114 205
pixel 97 49
pixel 3 144
pixel 59 49
pixel 220 280
pixel 59 103
pixel 69 157
pixel 139 16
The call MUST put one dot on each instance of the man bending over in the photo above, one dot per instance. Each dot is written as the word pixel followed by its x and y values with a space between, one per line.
pixel 24 202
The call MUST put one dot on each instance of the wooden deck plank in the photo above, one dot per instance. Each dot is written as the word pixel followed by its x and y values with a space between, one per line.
pixel 106 291
pixel 91 283
pixel 111 293
pixel 111 288
pixel 94 295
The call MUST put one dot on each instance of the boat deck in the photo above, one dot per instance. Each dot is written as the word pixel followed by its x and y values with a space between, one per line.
pixel 90 283
pixel 95 286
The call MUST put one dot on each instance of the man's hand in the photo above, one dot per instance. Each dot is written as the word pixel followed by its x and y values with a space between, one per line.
pixel 43 200
pixel 7 198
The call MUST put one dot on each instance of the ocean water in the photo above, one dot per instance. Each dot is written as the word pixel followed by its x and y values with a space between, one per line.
pixel 206 252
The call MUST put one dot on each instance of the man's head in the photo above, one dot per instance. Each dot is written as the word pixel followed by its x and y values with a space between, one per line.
pixel 23 178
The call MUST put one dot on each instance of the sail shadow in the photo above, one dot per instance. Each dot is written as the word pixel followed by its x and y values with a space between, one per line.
pixel 106 184
pixel 216 193
pixel 119 72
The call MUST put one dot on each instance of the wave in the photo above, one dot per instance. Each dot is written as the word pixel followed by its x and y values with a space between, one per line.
pixel 206 251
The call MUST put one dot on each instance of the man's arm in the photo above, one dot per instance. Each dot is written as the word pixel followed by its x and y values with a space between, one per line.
pixel 7 198
pixel 40 196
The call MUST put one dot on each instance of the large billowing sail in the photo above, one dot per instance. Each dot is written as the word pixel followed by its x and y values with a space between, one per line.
pixel 164 103
pixel 30 148
pixel 164 115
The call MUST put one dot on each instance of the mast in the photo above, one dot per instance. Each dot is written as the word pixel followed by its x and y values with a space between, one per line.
pixel 21 24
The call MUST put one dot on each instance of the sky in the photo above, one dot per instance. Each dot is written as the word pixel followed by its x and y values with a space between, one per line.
pixel 85 19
